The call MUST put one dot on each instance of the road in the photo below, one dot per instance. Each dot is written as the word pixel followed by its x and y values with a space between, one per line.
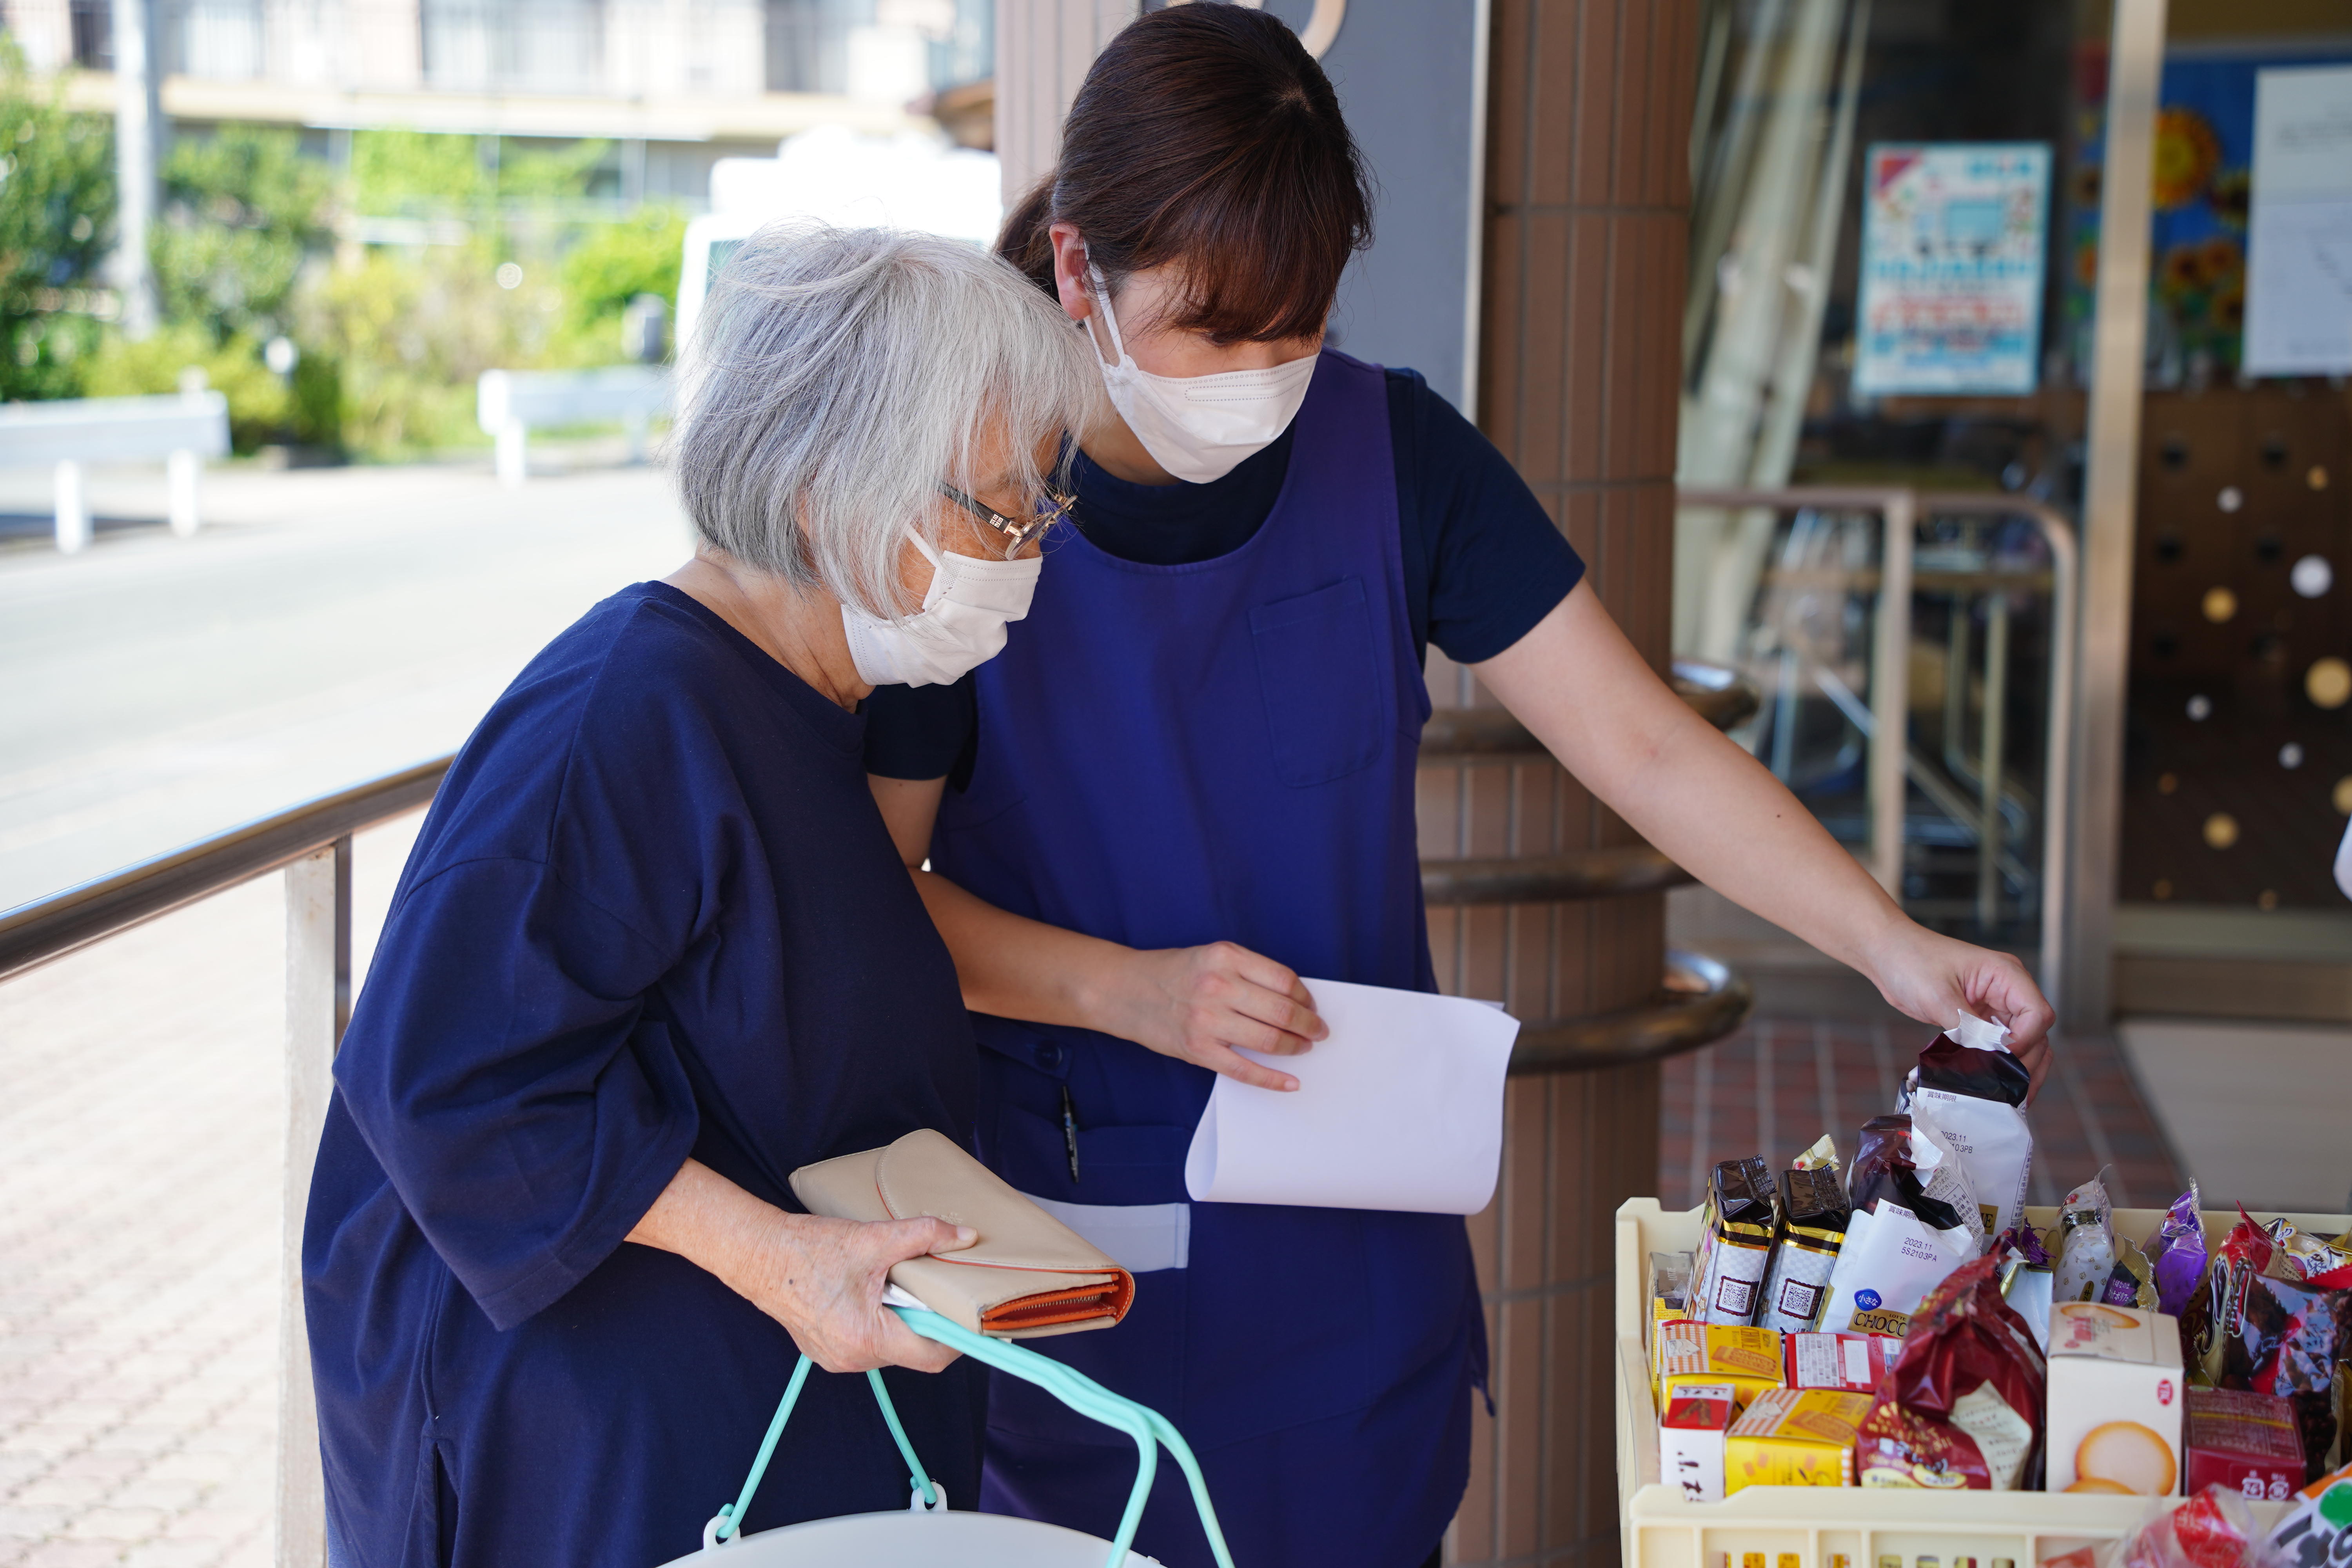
pixel 326 625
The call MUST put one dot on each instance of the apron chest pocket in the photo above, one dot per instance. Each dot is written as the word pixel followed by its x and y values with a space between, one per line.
pixel 1321 682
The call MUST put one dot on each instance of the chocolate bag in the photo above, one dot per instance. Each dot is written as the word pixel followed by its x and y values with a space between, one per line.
pixel 1813 1215
pixel 1961 1407
pixel 1734 1244
pixel 1974 1091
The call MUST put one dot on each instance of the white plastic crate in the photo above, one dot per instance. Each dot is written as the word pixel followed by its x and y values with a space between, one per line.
pixel 1820 1524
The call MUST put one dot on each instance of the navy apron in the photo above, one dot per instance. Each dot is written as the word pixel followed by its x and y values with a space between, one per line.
pixel 1174 756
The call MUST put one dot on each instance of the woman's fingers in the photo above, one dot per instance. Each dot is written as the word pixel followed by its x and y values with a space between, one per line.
pixel 1234 1065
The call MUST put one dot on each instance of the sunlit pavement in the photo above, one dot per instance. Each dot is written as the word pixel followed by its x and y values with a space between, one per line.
pixel 325 626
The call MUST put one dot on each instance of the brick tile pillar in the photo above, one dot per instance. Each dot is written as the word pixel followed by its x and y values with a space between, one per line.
pixel 1588 187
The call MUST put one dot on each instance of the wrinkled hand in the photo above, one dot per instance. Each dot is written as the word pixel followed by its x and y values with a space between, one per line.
pixel 1933 978
pixel 823 1280
pixel 1196 1003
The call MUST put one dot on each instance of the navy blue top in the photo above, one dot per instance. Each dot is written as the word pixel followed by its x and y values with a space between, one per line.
pixel 1483 561
pixel 654 912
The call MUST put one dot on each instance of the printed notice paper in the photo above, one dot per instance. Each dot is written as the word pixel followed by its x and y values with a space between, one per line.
pixel 1951 268
pixel 2299 236
pixel 1401 1108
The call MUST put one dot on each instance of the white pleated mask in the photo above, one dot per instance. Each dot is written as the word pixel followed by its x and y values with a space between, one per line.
pixel 961 627
pixel 1200 428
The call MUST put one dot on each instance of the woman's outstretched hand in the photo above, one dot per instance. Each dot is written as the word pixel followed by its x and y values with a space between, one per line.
pixel 1196 1003
pixel 1935 978
pixel 820 1279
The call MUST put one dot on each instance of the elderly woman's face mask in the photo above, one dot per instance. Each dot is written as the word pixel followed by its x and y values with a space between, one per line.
pixel 962 624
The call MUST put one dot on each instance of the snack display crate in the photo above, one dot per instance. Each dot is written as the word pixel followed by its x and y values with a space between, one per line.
pixel 1818 1525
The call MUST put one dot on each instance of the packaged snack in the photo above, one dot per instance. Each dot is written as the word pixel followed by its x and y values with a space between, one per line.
pixel 1794 1437
pixel 1747 1359
pixel 1821 1156
pixel 2132 1281
pixel 2316 1532
pixel 2086 1243
pixel 2214 1529
pixel 2243 1442
pixel 1669 1276
pixel 2026 1276
pixel 1813 1227
pixel 1907 1157
pixel 1690 1439
pixel 1961 1407
pixel 1974 1091
pixel 2245 1250
pixel 2176 1253
pixel 1735 1243
pixel 2286 1340
pixel 2115 1400
pixel 1890 1261
pixel 1850 1363
pixel 2309 1260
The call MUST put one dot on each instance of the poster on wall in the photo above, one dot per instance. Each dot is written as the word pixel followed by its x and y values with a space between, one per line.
pixel 1953 235
pixel 2299 237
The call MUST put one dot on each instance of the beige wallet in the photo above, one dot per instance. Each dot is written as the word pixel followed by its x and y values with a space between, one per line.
pixel 1028 1275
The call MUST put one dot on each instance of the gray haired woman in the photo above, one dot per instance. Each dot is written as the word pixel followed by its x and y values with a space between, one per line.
pixel 654 951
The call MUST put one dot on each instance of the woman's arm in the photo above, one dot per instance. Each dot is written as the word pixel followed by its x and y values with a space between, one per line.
pixel 1591 700
pixel 822 1278
pixel 1195 1004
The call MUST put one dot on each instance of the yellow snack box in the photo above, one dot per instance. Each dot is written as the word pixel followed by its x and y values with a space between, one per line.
pixel 1747 1359
pixel 1794 1437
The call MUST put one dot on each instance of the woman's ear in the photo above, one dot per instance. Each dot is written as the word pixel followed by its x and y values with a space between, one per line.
pixel 1070 271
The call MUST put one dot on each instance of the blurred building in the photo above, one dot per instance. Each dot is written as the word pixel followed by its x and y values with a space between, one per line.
pixel 678 84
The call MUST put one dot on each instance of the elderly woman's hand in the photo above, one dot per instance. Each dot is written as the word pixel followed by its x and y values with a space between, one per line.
pixel 822 1278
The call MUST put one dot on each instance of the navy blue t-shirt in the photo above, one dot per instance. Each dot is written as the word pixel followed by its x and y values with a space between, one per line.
pixel 654 912
pixel 1483 562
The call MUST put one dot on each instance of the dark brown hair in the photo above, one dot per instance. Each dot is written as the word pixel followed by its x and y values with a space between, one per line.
pixel 1206 136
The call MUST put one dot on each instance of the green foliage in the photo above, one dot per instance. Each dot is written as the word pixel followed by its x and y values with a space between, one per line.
pixel 242 210
pixel 418 174
pixel 612 265
pixel 57 212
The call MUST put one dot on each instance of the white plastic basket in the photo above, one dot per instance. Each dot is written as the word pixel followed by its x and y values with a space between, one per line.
pixel 1818 1525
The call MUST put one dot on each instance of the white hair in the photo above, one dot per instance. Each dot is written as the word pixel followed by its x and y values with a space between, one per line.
pixel 839 375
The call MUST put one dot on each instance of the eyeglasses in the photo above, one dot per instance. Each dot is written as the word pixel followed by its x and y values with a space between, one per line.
pixel 1015 534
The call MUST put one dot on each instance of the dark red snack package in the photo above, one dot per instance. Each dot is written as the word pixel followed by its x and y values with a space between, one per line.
pixel 1961 1407
pixel 2285 1340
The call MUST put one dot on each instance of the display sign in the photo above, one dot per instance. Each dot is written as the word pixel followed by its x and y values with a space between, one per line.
pixel 1953 237
pixel 2299 239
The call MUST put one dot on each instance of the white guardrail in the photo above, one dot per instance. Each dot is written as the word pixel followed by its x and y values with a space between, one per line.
pixel 509 402
pixel 182 428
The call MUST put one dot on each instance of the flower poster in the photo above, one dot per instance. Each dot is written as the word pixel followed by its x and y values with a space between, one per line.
pixel 1953 236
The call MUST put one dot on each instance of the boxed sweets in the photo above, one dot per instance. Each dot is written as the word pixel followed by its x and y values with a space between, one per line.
pixel 2116 1400
pixel 1848 1363
pixel 1691 1432
pixel 1747 1359
pixel 2246 1441
pixel 1794 1437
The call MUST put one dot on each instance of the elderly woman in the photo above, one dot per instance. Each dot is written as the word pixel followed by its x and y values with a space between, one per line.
pixel 654 951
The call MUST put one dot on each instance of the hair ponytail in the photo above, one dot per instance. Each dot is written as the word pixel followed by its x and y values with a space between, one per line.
pixel 1206 137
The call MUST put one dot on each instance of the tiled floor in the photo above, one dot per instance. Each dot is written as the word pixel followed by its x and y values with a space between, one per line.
pixel 1780 1082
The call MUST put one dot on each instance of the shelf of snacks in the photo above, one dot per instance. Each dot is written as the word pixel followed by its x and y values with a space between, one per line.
pixel 1902 1365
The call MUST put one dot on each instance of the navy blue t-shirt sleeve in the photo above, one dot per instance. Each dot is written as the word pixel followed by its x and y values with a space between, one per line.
pixel 506 1075
pixel 924 731
pixel 1491 563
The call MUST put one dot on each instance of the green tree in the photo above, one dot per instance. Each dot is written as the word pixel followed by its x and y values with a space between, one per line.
pixel 57 219
pixel 612 265
pixel 243 211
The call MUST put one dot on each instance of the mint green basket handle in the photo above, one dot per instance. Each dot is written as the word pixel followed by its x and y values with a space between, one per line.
pixel 1150 1429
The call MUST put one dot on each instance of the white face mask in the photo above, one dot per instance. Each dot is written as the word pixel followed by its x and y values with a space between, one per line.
pixel 959 628
pixel 1199 427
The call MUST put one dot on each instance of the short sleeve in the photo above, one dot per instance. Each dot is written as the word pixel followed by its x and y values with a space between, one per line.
pixel 923 731
pixel 503 1070
pixel 1493 561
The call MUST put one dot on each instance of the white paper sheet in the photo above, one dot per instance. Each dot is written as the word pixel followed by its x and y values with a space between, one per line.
pixel 1401 1107
pixel 2299 236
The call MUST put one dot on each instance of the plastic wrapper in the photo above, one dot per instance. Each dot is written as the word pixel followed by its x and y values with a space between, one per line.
pixel 2086 1243
pixel 1961 1407
pixel 1974 1089
pixel 2026 1275
pixel 1813 1215
pixel 2287 1340
pixel 1821 1156
pixel 2215 1529
pixel 1734 1244
pixel 2132 1281
pixel 2315 1530
pixel 2176 1253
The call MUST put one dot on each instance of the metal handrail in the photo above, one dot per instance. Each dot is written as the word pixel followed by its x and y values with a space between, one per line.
pixel 1886 722
pixel 33 933
pixel 1551 878
pixel 1721 696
